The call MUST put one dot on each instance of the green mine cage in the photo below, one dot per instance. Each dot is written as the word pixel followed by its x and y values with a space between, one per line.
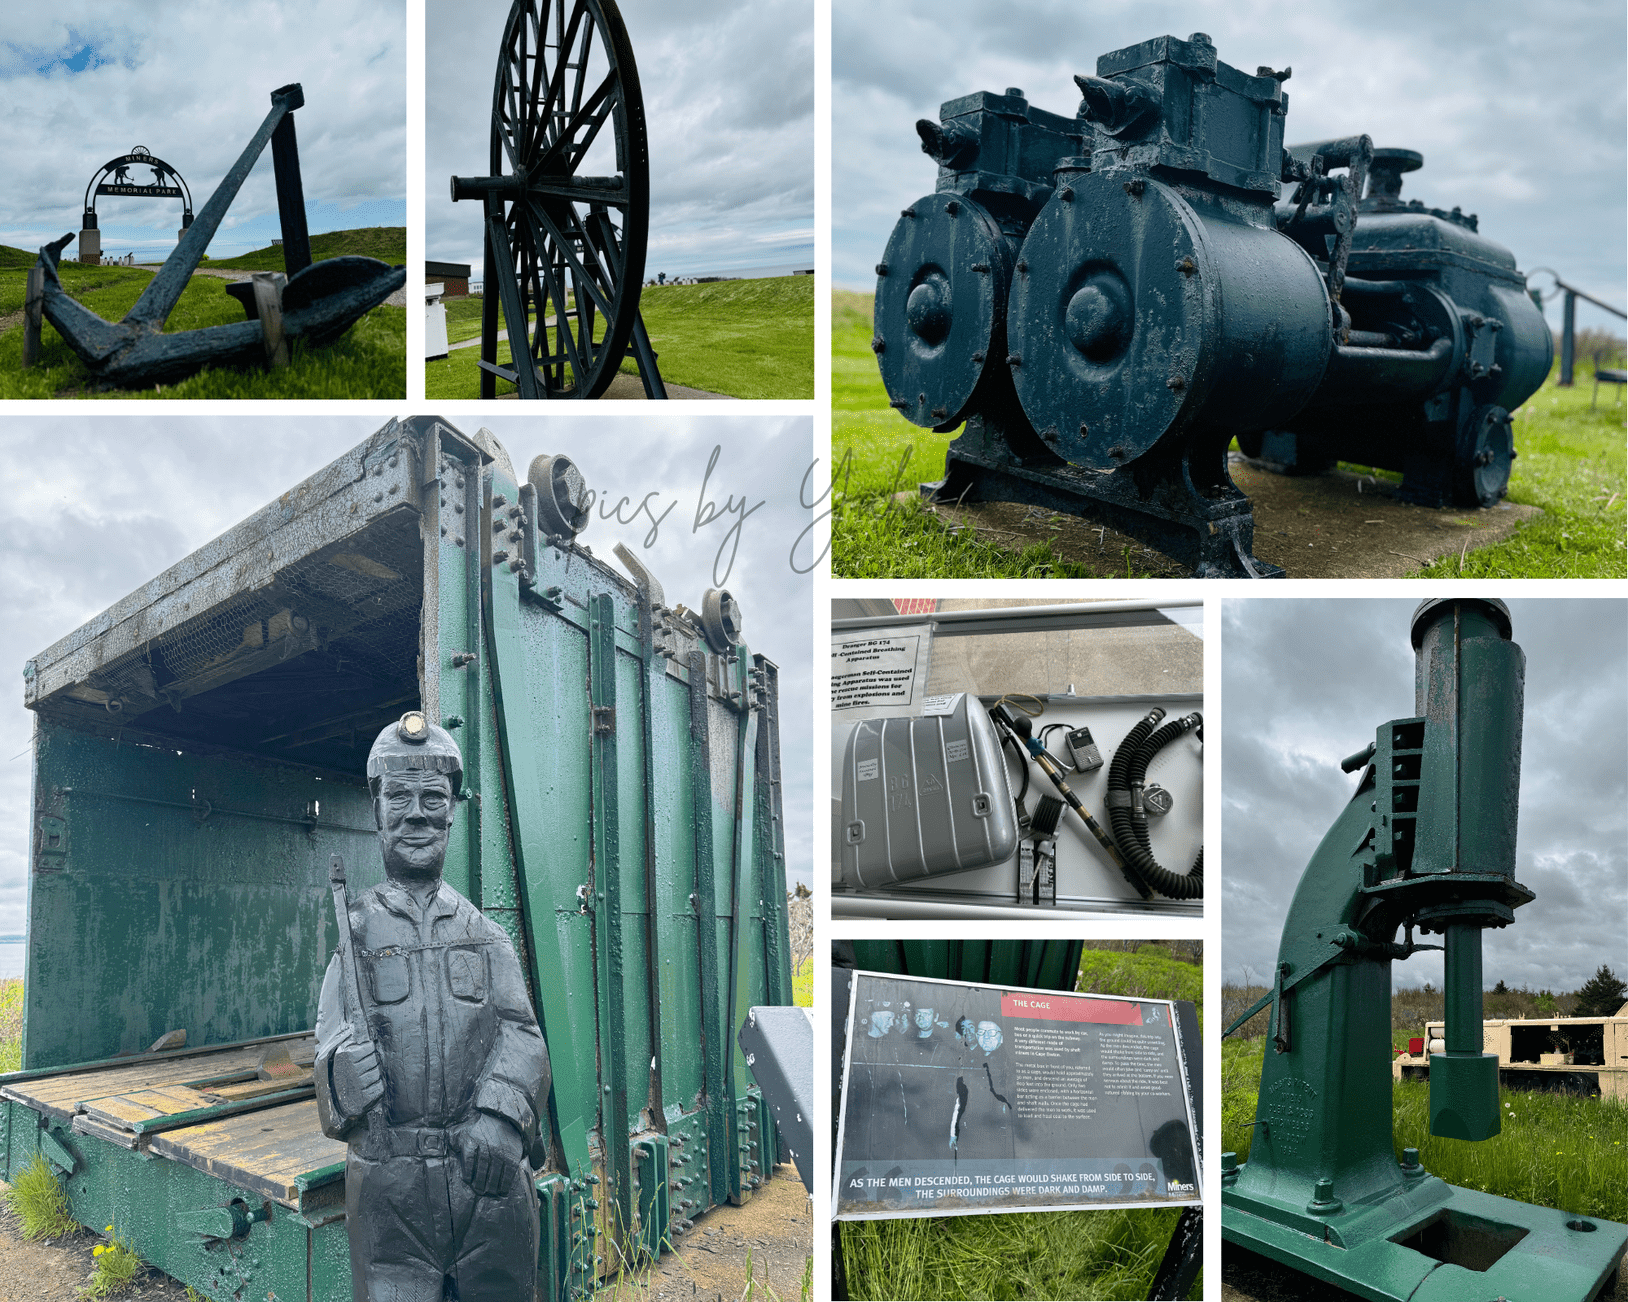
pixel 198 759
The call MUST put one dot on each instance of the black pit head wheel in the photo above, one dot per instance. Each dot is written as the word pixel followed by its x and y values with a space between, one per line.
pixel 568 197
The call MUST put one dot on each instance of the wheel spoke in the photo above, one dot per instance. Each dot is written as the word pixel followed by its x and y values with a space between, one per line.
pixel 582 69
pixel 541 225
pixel 562 330
pixel 599 102
pixel 556 82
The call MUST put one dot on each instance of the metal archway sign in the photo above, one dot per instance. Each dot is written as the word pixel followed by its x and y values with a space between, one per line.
pixel 113 177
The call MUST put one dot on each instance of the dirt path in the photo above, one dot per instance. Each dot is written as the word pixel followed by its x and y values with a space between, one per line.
pixel 710 1264
pixel 55 1270
pixel 1333 526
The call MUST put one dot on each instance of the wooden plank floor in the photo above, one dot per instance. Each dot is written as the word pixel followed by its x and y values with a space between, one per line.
pixel 62 1096
pixel 263 1151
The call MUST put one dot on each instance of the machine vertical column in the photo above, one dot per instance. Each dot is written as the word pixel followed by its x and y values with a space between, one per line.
pixel 1463 989
pixel 1469 688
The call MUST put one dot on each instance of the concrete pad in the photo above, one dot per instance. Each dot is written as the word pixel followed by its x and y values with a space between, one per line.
pixel 1332 526
pixel 630 388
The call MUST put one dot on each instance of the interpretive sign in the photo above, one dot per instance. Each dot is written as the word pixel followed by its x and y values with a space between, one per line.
pixel 962 1098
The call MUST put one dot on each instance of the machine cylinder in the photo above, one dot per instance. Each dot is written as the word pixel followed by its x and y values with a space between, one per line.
pixel 1468 685
pixel 1462 983
pixel 1469 682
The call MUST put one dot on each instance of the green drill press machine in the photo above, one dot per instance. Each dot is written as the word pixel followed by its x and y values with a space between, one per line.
pixel 1427 844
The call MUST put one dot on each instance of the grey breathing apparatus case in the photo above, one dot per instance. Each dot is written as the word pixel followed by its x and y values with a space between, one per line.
pixel 925 796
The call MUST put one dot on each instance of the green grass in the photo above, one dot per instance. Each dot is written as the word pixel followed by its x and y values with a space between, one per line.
pixel 11 1024
pixel 1571 463
pixel 116 1268
pixel 37 1201
pixel 368 361
pixel 463 317
pixel 1555 1150
pixel 1096 1254
pixel 743 338
pixel 386 243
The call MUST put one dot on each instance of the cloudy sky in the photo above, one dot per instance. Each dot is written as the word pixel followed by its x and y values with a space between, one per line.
pixel 99 505
pixel 1305 683
pixel 729 105
pixel 1517 108
pixel 82 83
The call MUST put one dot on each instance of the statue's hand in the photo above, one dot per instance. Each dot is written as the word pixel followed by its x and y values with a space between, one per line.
pixel 492 1151
pixel 358 1079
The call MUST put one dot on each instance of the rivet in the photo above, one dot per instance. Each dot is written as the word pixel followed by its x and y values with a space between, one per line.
pixel 881 268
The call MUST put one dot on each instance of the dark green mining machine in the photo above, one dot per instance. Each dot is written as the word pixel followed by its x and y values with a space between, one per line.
pixel 1426 844
pixel 1107 300
pixel 198 761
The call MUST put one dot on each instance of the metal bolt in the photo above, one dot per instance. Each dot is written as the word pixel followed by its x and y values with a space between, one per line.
pixel 953 208
pixel 1186 267
pixel 1066 194
pixel 942 413
pixel 1176 383
pixel 878 345
pixel 900 403
pixel 499 556
pixel 499 500
pixel 1014 360
pixel 1023 267
pixel 1117 453
pixel 1410 1157
pixel 881 268
pixel 1136 188
pixel 1325 1191
pixel 977 357
pixel 907 212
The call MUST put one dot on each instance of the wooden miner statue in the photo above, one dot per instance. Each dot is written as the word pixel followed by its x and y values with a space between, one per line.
pixel 430 1063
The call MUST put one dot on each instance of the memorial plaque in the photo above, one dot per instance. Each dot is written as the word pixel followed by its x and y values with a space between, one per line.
pixel 961 1098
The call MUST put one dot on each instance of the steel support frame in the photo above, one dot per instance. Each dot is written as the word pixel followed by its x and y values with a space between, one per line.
pixel 1212 532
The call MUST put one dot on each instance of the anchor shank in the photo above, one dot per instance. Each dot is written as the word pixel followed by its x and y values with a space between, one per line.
pixel 162 292
pixel 285 160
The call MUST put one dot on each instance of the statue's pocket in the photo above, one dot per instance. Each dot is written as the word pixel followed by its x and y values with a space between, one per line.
pixel 390 979
pixel 466 969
